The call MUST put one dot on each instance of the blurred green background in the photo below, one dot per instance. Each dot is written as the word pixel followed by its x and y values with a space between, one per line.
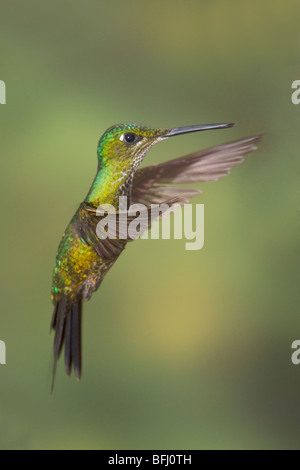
pixel 182 349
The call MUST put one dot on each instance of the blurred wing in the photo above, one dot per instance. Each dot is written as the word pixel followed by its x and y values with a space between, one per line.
pixel 151 184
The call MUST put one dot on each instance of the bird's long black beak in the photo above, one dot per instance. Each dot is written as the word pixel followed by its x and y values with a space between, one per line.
pixel 202 127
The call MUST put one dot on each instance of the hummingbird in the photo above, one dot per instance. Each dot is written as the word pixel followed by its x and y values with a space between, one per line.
pixel 83 259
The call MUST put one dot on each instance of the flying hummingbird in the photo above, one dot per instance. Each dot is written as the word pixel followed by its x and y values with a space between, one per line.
pixel 83 259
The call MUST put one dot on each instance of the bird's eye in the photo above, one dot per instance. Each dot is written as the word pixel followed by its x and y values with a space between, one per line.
pixel 130 137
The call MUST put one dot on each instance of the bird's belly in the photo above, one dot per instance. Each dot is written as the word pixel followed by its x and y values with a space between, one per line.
pixel 94 278
pixel 78 270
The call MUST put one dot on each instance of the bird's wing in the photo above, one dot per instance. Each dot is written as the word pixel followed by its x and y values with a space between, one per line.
pixel 152 184
pixel 108 248
pixel 110 239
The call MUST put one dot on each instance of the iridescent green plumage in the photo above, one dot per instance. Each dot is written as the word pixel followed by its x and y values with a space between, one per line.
pixel 82 259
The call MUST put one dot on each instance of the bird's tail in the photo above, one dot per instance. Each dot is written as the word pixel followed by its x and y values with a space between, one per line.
pixel 66 322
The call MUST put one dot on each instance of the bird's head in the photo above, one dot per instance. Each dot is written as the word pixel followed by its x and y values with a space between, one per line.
pixel 126 144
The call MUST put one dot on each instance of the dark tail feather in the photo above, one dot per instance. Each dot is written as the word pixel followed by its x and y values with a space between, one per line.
pixel 76 338
pixel 54 317
pixel 66 322
pixel 68 344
